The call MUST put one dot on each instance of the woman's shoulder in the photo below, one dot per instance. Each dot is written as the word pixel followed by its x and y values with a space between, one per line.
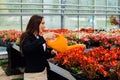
pixel 29 37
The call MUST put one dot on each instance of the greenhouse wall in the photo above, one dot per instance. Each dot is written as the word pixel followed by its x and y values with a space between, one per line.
pixel 68 14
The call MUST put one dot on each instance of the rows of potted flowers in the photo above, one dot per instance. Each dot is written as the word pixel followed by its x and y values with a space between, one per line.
pixel 90 39
pixel 100 59
pixel 103 39
pixel 98 63
pixel 7 36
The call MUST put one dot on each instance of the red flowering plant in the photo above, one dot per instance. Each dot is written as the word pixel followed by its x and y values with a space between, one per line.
pixel 9 36
pixel 59 31
pixel 116 38
pixel 92 40
pixel 87 30
pixel 113 20
pixel 94 63
pixel 102 61
pixel 70 59
pixel 101 39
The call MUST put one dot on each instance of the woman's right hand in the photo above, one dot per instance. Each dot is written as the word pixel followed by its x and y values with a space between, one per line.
pixel 54 52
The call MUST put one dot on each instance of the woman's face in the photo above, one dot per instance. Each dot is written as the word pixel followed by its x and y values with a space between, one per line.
pixel 42 26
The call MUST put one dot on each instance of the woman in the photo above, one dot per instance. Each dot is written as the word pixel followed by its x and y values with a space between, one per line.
pixel 34 49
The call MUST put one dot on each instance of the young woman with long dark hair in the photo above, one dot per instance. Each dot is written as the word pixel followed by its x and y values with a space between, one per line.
pixel 33 48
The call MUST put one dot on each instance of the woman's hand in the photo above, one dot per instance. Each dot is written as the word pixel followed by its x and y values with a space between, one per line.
pixel 53 52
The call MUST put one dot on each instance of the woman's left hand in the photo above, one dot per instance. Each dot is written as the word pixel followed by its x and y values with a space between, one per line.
pixel 50 35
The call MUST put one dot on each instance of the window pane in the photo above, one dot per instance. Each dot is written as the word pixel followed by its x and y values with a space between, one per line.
pixel 84 4
pixel 71 22
pixel 10 22
pixel 101 6
pixel 35 8
pixel 73 8
pixel 100 22
pixel 54 8
pixel 52 22
pixel 10 8
pixel 25 20
pixel 112 3
pixel 85 21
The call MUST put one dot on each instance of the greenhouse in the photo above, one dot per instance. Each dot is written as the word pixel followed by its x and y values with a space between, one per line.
pixel 64 39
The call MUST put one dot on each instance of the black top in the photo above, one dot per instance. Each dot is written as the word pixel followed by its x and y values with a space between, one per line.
pixel 35 55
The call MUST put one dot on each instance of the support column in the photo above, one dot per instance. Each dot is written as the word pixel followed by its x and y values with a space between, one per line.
pixel 119 12
pixel 62 15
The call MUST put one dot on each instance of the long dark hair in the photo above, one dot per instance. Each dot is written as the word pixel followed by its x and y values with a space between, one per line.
pixel 32 26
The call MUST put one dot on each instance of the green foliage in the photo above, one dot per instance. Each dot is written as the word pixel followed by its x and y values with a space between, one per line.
pixel 18 79
pixel 3 61
pixel 18 41
pixel 76 71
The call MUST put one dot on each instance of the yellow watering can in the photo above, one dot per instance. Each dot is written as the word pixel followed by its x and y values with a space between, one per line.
pixel 60 44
